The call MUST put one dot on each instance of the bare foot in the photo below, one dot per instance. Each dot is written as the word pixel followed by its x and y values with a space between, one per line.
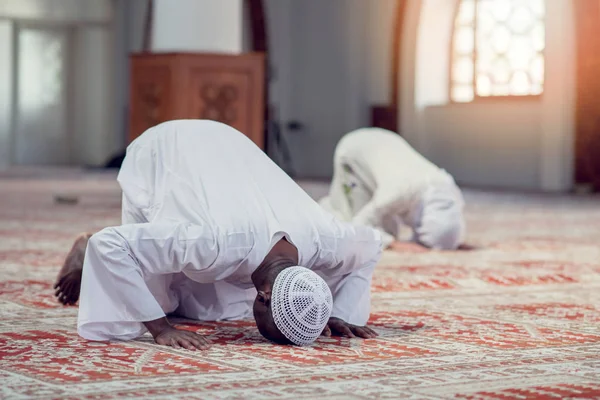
pixel 407 247
pixel 467 247
pixel 68 282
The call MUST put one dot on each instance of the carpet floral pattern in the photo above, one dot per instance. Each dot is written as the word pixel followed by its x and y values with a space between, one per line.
pixel 517 318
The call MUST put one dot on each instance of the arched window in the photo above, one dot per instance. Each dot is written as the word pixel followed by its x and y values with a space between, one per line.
pixel 497 49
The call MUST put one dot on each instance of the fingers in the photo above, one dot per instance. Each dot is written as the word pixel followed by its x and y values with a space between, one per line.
pixel 340 328
pixel 346 331
pixel 371 331
pixel 199 342
pixel 361 333
pixel 326 331
pixel 183 342
pixel 184 339
pixel 364 332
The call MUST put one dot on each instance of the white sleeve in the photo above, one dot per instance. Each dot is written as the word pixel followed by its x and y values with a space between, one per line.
pixel 385 202
pixel 350 279
pixel 119 264
pixel 373 216
pixel 386 239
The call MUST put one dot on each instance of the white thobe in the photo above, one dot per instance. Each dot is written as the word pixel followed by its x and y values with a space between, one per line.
pixel 381 181
pixel 202 207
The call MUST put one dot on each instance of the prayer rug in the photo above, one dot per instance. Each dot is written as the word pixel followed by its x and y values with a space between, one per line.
pixel 517 318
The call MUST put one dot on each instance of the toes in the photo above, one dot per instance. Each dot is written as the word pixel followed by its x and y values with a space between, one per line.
pixel 67 290
pixel 62 293
pixel 59 282
pixel 69 294
pixel 74 296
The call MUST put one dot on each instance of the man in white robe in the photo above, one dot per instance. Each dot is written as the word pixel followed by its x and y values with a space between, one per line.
pixel 209 222
pixel 381 181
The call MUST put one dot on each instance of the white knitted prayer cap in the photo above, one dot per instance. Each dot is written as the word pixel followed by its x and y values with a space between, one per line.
pixel 301 303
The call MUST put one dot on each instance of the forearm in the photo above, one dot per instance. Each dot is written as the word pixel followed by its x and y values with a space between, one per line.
pixel 157 326
pixel 368 216
pixel 352 300
pixel 352 292
pixel 349 278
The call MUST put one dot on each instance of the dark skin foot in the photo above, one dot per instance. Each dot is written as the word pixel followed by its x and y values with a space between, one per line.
pixel 68 282
pixel 409 247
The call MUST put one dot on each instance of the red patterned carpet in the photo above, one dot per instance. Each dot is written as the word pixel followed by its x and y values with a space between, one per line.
pixel 519 318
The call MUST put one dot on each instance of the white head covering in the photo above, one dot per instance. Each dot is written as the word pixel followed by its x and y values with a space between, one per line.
pixel 301 303
pixel 441 225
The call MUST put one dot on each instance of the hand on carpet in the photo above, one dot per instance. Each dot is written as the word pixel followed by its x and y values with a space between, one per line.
pixel 167 335
pixel 177 338
pixel 338 327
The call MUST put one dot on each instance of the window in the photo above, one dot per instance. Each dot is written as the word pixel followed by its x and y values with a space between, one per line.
pixel 497 49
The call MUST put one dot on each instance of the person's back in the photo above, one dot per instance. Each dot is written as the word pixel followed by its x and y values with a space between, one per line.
pixel 207 173
pixel 220 172
pixel 388 158
pixel 210 174
pixel 381 181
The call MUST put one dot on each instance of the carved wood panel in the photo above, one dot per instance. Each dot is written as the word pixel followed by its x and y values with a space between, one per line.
pixel 225 88
pixel 150 98
pixel 221 96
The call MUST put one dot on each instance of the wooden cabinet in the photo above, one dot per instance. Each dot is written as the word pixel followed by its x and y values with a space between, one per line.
pixel 220 87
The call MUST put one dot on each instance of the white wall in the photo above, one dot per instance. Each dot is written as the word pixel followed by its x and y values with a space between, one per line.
pixel 557 164
pixel 198 25
pixel 486 145
pixel 278 15
pixel 380 18
pixel 95 11
pixel 516 144
pixel 6 91
pixel 93 126
pixel 332 63
pixel 92 81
